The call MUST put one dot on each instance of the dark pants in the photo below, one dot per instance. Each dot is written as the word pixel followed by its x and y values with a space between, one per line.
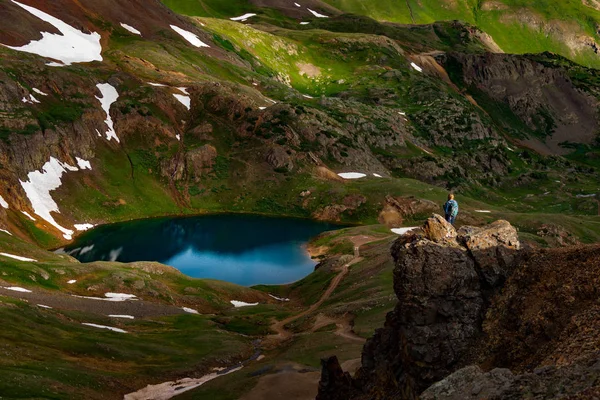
pixel 450 219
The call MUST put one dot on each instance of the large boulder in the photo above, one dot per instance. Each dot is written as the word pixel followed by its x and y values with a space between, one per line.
pixel 493 248
pixel 279 159
pixel 437 229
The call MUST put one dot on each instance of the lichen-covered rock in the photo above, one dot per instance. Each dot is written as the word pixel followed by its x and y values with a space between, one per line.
pixel 437 229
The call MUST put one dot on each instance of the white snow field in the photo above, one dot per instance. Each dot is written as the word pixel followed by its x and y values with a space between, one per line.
pixel 122 316
pixel 243 18
pixel 352 175
pixel 83 164
pixel 316 14
pixel 416 67
pixel 38 91
pixel 109 96
pixel 190 310
pixel 237 304
pixel 83 227
pixel 403 231
pixel 28 215
pixel 110 328
pixel 279 298
pixel 73 46
pixel 17 289
pixel 111 297
pixel 131 29
pixel 3 202
pixel 38 188
pixel 185 100
pixel 189 36
pixel 5 231
pixel 17 257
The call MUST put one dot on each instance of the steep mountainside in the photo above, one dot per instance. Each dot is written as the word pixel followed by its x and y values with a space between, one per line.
pixel 202 110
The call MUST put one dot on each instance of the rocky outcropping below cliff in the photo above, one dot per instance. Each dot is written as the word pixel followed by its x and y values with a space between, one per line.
pixel 479 317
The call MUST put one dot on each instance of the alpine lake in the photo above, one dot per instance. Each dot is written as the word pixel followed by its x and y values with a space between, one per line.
pixel 243 249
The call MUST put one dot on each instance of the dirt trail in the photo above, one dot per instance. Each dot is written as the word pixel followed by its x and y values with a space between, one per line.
pixel 279 326
pixel 343 326
pixel 344 329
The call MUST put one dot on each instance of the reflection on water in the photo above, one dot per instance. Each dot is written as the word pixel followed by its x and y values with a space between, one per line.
pixel 243 249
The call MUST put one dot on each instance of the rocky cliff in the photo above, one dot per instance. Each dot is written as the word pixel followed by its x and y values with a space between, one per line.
pixel 473 298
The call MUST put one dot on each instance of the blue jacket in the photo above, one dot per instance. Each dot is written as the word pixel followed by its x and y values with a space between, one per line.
pixel 451 208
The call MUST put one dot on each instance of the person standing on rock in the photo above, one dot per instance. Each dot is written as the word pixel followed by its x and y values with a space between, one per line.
pixel 451 209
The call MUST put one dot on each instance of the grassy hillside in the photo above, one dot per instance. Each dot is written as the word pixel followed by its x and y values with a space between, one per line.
pixel 517 26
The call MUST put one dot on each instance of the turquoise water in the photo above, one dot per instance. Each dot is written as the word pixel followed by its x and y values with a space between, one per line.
pixel 243 249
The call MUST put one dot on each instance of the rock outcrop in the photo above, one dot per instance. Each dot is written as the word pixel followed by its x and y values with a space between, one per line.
pixel 478 317
pixel 442 280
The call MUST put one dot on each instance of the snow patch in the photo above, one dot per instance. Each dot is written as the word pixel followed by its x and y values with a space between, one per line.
pixel 110 328
pixel 189 36
pixel 316 14
pixel 297 5
pixel 184 90
pixel 352 175
pixel 307 96
pixel 190 310
pixel 17 289
pixel 111 297
pixel 167 390
pixel 585 196
pixel 178 137
pixel 3 202
pixel 278 298
pixel 71 47
pixel 38 188
pixel 43 306
pixel 5 231
pixel 109 96
pixel 377 176
pixel 28 215
pixel 156 84
pixel 131 29
pixel 304 23
pixel 403 231
pixel 120 296
pixel 33 99
pixel 83 164
pixel 185 100
pixel 238 304
pixel 262 108
pixel 122 316
pixel 72 281
pixel 83 227
pixel 38 91
pixel 416 67
pixel 243 17
pixel 483 211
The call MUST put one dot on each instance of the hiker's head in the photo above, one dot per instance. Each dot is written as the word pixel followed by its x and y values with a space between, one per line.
pixel 450 196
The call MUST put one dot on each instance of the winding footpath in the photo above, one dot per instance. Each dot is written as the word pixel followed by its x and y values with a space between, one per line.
pixel 279 326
